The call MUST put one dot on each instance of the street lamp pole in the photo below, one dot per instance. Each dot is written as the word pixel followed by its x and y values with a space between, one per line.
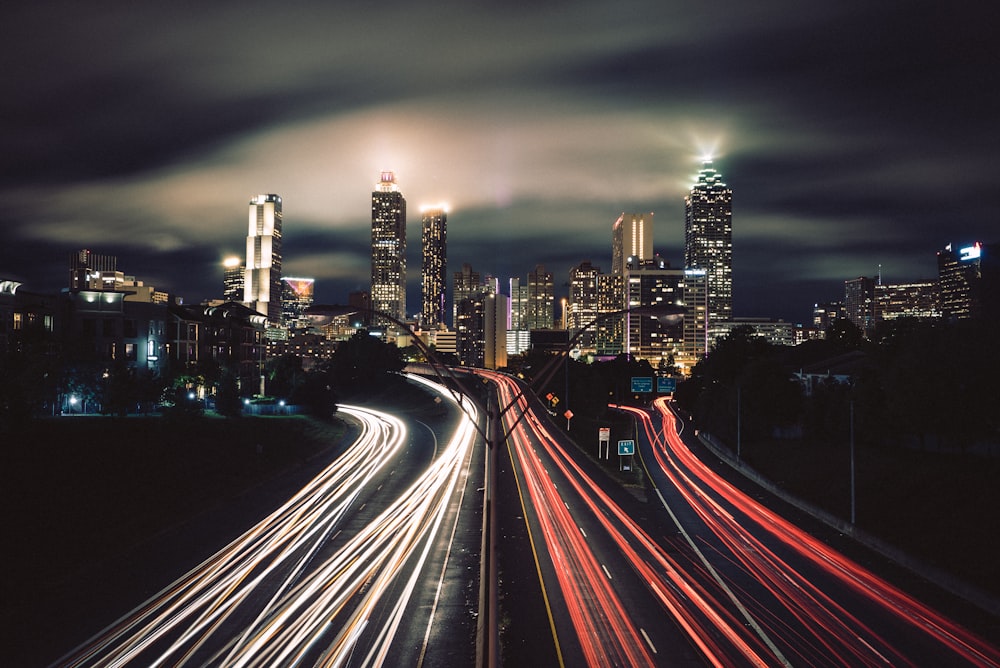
pixel 852 464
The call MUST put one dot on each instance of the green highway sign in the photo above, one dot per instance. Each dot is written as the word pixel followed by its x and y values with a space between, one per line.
pixel 665 384
pixel 642 384
pixel 626 447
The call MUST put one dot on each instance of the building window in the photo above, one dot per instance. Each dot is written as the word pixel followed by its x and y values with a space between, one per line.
pixel 130 352
pixel 18 321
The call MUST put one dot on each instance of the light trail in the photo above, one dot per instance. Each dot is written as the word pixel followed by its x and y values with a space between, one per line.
pixel 279 595
pixel 826 630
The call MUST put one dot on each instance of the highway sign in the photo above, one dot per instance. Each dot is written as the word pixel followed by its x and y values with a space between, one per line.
pixel 642 384
pixel 626 447
pixel 665 384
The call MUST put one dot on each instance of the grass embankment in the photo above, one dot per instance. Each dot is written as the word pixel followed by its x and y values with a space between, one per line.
pixel 943 508
pixel 75 490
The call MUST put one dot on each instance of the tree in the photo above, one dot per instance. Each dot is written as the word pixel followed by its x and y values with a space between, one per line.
pixel 363 362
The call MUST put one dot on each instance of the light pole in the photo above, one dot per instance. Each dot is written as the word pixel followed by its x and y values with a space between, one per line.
pixel 852 463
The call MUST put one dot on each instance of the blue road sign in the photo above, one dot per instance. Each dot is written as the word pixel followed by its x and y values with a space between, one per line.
pixel 626 447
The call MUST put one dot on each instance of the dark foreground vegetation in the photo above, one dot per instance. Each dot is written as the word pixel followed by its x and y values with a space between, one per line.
pixel 76 490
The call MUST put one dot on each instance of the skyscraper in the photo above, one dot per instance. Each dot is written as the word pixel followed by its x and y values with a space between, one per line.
pixel 631 237
pixel 232 279
pixel 433 269
pixel 466 283
pixel 584 306
pixel 296 297
pixel 859 303
pixel 262 276
pixel 389 248
pixel 708 239
pixel 541 300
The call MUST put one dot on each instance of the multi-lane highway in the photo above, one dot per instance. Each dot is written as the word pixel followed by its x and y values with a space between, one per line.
pixel 713 577
pixel 350 571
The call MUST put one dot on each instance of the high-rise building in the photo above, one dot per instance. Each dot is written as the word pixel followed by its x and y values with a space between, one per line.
pixel 648 283
pixel 480 334
pixel 859 303
pixel 969 281
pixel 93 271
pixel 466 283
pixel 916 299
pixel 708 239
pixel 262 276
pixel 232 279
pixel 296 297
pixel 697 342
pixel 541 300
pixel 631 237
pixel 433 269
pixel 584 306
pixel 389 248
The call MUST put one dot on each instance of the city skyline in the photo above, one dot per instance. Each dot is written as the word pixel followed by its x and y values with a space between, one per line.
pixel 853 136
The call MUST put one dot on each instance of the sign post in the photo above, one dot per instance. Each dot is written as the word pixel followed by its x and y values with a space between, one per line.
pixel 603 441
pixel 625 449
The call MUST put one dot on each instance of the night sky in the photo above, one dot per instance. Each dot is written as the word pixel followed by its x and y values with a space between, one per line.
pixel 852 134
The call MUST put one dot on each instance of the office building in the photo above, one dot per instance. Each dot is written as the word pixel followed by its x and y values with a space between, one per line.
pixel 859 303
pixel 708 239
pixel 388 285
pixel 826 313
pixel 648 283
pixel 916 299
pixel 466 283
pixel 262 276
pixel 296 297
pixel 434 267
pixel 540 313
pixel 93 271
pixel 631 237
pixel 969 281
pixel 584 305
pixel 232 279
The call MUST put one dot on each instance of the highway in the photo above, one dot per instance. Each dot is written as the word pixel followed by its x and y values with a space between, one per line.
pixel 349 572
pixel 711 578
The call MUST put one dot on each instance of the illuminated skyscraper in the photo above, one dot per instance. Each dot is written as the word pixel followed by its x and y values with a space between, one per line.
pixel 466 284
pixel 389 248
pixel 296 297
pixel 433 269
pixel 631 237
pixel 232 279
pixel 583 303
pixel 708 239
pixel 968 280
pixel 541 300
pixel 262 276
